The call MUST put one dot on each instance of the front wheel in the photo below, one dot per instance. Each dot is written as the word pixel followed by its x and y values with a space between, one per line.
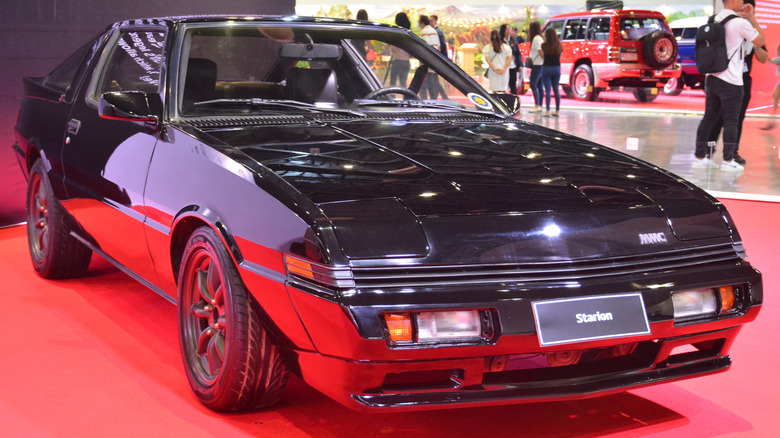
pixel 582 83
pixel 230 360
pixel 673 87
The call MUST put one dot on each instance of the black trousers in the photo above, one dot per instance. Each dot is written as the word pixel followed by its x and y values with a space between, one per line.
pixel 723 100
pixel 513 80
pixel 747 89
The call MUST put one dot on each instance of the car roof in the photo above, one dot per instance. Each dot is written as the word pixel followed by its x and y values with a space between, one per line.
pixel 611 12
pixel 689 22
pixel 246 18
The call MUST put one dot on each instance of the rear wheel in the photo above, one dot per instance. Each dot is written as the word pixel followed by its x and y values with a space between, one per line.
pixel 567 91
pixel 645 94
pixel 228 355
pixel 582 83
pixel 673 87
pixel 54 252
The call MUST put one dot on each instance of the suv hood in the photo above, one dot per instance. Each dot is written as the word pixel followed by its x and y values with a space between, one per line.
pixel 408 175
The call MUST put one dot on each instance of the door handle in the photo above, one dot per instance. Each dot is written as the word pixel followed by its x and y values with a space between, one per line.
pixel 74 126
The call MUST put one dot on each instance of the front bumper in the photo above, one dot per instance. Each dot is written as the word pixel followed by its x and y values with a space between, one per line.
pixel 336 343
pixel 402 386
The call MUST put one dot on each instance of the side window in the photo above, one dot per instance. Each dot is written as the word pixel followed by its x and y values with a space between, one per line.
pixel 572 29
pixel 689 33
pixel 133 63
pixel 61 78
pixel 557 25
pixel 598 29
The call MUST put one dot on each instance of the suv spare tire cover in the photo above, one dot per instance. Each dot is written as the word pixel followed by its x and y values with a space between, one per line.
pixel 659 49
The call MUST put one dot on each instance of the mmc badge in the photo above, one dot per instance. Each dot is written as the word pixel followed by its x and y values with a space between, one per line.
pixel 652 238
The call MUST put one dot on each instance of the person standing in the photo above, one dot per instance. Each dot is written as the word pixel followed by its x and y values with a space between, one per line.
pixel 433 78
pixel 499 57
pixel 749 52
pixel 515 41
pixel 442 42
pixel 360 45
pixel 775 93
pixel 724 90
pixel 431 85
pixel 506 36
pixel 399 59
pixel 551 69
pixel 535 35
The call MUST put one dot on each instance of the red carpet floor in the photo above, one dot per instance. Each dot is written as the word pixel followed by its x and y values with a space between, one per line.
pixel 99 357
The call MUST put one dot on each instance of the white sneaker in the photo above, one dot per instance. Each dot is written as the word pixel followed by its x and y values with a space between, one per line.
pixel 731 166
pixel 704 163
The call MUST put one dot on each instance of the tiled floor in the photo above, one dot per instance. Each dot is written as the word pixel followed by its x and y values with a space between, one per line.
pixel 667 140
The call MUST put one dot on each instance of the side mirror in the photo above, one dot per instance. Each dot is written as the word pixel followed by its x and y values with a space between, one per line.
pixel 510 101
pixel 132 106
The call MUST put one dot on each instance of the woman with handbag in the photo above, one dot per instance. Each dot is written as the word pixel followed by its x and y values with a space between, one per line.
pixel 551 69
pixel 499 57
pixel 535 64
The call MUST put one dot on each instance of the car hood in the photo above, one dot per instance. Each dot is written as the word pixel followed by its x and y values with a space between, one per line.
pixel 405 179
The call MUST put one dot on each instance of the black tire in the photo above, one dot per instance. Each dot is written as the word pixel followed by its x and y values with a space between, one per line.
pixel 582 85
pixel 644 94
pixel 659 49
pixel 567 91
pixel 54 252
pixel 673 87
pixel 230 360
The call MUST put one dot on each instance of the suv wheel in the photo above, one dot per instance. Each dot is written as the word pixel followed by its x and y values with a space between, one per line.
pixel 582 83
pixel 659 49
pixel 673 87
pixel 644 94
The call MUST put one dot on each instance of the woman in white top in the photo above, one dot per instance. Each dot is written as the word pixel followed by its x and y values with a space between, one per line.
pixel 431 87
pixel 535 34
pixel 498 57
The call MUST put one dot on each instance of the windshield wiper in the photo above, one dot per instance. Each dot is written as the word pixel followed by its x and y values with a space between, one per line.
pixel 428 104
pixel 274 103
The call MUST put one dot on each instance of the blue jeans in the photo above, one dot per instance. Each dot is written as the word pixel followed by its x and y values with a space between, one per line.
pixel 536 84
pixel 723 100
pixel 551 79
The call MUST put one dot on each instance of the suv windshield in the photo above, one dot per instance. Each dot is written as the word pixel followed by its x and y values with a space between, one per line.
pixel 635 28
pixel 255 68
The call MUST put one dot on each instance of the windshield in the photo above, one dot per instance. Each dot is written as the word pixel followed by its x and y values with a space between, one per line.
pixel 316 66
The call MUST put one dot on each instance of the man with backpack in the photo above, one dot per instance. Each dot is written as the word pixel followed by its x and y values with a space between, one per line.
pixel 719 53
pixel 761 55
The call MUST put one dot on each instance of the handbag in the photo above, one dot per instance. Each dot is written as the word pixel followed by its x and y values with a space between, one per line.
pixel 529 62
pixel 491 60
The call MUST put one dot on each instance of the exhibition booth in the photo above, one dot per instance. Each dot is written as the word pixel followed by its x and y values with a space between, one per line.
pixel 100 354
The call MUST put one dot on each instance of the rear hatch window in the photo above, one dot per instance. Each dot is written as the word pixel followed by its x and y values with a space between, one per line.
pixel 635 28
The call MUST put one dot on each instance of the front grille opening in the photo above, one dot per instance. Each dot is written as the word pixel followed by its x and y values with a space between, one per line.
pixel 697 351
pixel 422 380
pixel 568 364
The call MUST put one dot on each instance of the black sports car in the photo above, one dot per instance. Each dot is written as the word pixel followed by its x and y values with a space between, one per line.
pixel 338 200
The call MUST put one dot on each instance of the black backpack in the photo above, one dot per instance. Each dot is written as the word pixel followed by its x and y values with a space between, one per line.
pixel 711 54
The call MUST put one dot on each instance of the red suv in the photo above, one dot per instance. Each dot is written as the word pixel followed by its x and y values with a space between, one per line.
pixel 614 48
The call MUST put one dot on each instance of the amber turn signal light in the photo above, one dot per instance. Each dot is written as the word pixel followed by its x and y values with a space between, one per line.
pixel 399 326
pixel 727 299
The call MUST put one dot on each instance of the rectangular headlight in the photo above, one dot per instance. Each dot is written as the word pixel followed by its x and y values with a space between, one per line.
pixel 457 324
pixel 440 326
pixel 692 303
